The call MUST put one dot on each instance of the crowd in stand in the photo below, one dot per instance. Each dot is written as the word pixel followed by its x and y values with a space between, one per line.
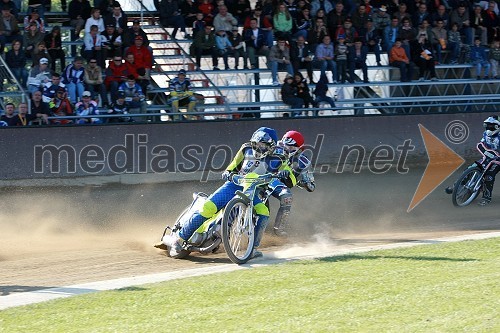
pixel 332 36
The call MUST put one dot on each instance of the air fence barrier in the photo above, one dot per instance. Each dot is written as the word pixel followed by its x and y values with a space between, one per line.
pixel 201 150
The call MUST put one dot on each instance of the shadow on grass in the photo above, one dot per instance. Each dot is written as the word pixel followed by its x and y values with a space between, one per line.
pixel 132 288
pixel 7 290
pixel 367 257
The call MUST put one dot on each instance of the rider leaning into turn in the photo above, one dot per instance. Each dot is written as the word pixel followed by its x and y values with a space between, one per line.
pixel 491 139
pixel 255 156
pixel 292 145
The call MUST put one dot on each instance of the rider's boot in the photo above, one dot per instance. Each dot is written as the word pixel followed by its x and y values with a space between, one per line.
pixel 282 216
pixel 174 244
pixel 262 223
pixel 489 181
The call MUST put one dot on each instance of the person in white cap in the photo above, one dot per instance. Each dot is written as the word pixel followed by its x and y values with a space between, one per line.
pixel 87 107
pixel 39 75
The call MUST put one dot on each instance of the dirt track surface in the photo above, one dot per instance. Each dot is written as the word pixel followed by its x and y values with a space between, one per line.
pixel 55 237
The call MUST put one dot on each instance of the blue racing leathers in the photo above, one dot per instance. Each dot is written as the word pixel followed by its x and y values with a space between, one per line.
pixel 491 142
pixel 243 163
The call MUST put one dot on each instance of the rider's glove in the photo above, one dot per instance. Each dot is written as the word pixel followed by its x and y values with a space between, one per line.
pixel 227 175
pixel 283 175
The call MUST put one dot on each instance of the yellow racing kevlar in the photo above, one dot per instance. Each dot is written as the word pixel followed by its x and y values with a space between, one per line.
pixel 208 210
pixel 261 209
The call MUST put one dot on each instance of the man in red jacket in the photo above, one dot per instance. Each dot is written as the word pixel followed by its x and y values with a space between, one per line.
pixel 116 74
pixel 142 55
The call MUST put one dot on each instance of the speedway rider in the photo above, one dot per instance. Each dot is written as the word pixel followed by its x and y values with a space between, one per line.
pixel 292 144
pixel 255 156
pixel 491 139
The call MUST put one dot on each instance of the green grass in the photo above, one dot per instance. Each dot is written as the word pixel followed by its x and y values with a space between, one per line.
pixel 450 287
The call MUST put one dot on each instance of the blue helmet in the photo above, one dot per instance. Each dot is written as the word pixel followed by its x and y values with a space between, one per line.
pixel 263 142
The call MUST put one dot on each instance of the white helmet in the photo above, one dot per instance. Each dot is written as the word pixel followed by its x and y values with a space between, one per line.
pixel 491 125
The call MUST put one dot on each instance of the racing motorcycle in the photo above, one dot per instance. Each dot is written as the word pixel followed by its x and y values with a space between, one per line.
pixel 471 181
pixel 233 226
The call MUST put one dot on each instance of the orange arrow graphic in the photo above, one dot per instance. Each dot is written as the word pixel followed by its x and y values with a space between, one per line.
pixel 443 161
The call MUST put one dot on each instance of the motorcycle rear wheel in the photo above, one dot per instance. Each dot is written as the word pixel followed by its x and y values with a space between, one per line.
pixel 237 234
pixel 463 191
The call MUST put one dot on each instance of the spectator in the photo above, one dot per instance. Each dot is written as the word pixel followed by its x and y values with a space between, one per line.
pixel 87 107
pixel 224 20
pixel 360 17
pixel 348 31
pixel 13 7
pixel 94 46
pixel 321 91
pixel 341 53
pixel 181 93
pixel 9 117
pixel 238 48
pixel 478 24
pixel 116 74
pixel 31 38
pixel 39 5
pixel 495 59
pixel 381 19
pixel 224 46
pixel 118 107
pixel 441 15
pixel 372 40
pixel 117 18
pixel 439 37
pixel 454 44
pixel 112 42
pixel 9 30
pixel 357 60
pixel 130 34
pixel 302 57
pixel 421 15
pixel 402 12
pixel 304 23
pixel 34 18
pixel 50 88
pixel 425 29
pixel 138 72
pixel 78 11
pixel 93 79
pixel 24 118
pixel 315 37
pixel 399 59
pixel 336 18
pixel 316 5
pixel 60 106
pixel 199 24
pixel 204 44
pixel 105 6
pixel 16 60
pixel 279 57
pixel 189 9
pixel 208 9
pixel 39 75
pixel 391 33
pixel 94 19
pixel 264 23
pixel 38 105
pixel 303 90
pixel 479 59
pixel 407 33
pixel 72 77
pixel 461 17
pixel 422 56
pixel 134 96
pixel 325 55
pixel 143 57
pixel 241 10
pixel 54 47
pixel 289 95
pixel 283 23
pixel 171 16
pixel 492 21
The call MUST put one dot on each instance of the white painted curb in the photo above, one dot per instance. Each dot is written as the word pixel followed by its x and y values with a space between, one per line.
pixel 44 295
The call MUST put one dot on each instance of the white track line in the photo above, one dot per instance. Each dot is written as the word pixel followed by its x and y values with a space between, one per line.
pixel 43 295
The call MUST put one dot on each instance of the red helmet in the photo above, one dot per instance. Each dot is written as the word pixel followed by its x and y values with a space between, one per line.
pixel 292 142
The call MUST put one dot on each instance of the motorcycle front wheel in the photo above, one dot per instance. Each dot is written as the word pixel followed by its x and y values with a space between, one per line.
pixel 463 191
pixel 237 232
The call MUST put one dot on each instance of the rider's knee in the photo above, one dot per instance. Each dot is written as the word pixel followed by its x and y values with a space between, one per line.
pixel 286 199
pixel 261 209
pixel 208 209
